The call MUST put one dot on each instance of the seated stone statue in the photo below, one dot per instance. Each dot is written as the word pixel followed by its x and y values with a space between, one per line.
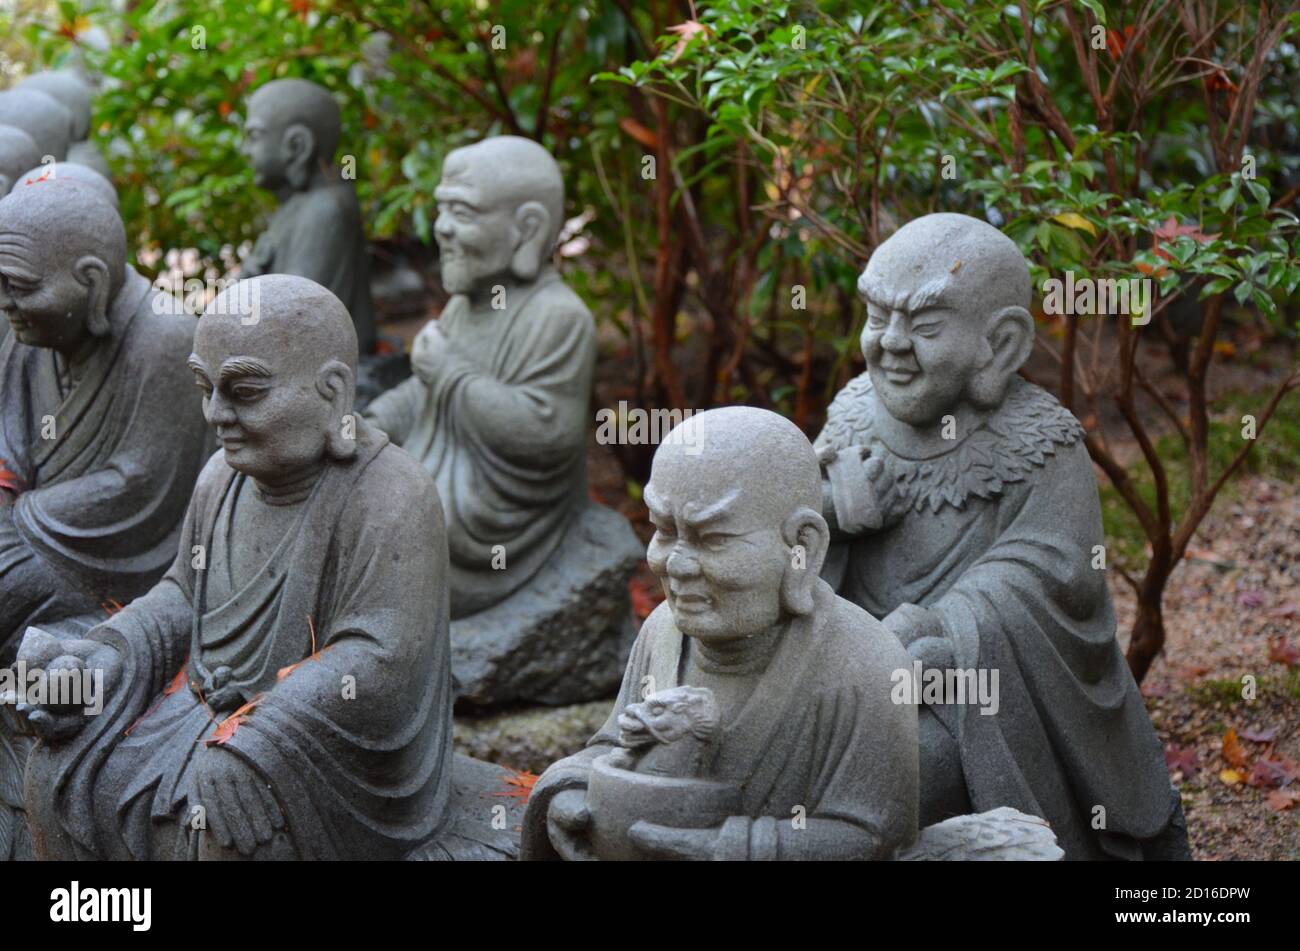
pixel 498 410
pixel 101 436
pixel 42 117
pixel 285 690
pixel 755 719
pixel 290 137
pixel 966 515
pixel 18 153
pixel 77 96
pixel 83 174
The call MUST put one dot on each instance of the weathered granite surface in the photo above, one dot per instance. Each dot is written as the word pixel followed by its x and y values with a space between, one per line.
pixel 18 152
pixel 564 637
pixel 41 116
pixel 999 835
pixel 755 719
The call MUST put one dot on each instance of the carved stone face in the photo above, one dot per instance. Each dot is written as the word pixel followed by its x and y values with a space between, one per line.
pixel 475 229
pixel 44 302
pixel 263 146
pixel 922 357
pixel 260 396
pixel 720 556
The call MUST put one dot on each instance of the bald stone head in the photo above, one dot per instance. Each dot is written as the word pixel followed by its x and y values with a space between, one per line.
pixel 41 116
pixel 18 152
pixel 76 173
pixel 291 133
pixel 276 359
pixel 500 212
pixel 71 91
pixel 948 322
pixel 62 263
pixel 735 497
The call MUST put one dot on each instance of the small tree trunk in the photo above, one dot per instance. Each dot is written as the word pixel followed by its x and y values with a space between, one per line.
pixel 1148 635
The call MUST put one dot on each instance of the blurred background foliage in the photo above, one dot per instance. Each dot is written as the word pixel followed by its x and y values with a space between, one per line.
pixel 731 165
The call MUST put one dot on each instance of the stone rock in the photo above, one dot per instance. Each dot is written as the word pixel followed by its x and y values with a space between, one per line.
pixel 531 738
pixel 486 815
pixel 999 835
pixel 565 636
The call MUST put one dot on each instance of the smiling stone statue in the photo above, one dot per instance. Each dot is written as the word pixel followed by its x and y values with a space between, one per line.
pixel 769 695
pixel 498 412
pixel 288 680
pixel 966 516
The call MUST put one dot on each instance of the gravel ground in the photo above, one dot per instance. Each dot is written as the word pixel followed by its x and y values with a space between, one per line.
pixel 1232 611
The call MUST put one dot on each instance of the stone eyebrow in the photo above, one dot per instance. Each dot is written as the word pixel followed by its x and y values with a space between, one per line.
pixel 241 366
pixel 927 295
pixel 699 517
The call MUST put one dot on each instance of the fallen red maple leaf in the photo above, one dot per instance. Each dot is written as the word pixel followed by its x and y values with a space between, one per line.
pixel 1280 800
pixel 230 725
pixel 111 606
pixel 1272 771
pixel 314 655
pixel 1232 752
pixel 520 784
pixel 1282 652
pixel 1260 736
pixel 9 480
pixel 1185 760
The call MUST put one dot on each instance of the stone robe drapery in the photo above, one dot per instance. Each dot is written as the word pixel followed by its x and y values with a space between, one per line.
pixel 998 539
pixel 819 731
pixel 503 431
pixel 99 514
pixel 318 234
pixel 363 777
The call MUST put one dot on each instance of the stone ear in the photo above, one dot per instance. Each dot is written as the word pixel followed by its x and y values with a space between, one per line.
pixel 299 148
pixel 336 383
pixel 533 223
pixel 1010 339
pixel 808 536
pixel 93 272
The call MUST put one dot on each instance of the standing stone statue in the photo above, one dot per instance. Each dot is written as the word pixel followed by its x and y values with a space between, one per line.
pixel 966 515
pixel 42 117
pixel 756 717
pixel 77 96
pixel 290 137
pixel 18 152
pixel 289 677
pixel 101 431
pixel 498 411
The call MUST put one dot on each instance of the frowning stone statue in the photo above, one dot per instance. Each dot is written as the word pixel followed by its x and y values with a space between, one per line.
pixel 966 515
pixel 755 719
pixel 498 412
pixel 290 136
pixel 18 153
pixel 285 690
pixel 78 97
pixel 101 433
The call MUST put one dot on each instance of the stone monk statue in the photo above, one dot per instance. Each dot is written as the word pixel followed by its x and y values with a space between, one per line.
pixel 967 518
pixel 284 692
pixel 498 407
pixel 18 153
pixel 42 117
pixel 82 174
pixel 76 95
pixel 290 137
pixel 101 435
pixel 800 721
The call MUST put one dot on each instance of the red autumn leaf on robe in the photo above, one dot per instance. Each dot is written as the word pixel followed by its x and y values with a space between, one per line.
pixel 314 655
pixel 228 727
pixel 8 480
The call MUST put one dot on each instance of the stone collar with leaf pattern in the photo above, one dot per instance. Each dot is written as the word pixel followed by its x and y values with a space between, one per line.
pixel 1026 429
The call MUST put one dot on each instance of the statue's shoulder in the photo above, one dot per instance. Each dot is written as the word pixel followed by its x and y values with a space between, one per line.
pixel 856 648
pixel 561 303
pixel 848 418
